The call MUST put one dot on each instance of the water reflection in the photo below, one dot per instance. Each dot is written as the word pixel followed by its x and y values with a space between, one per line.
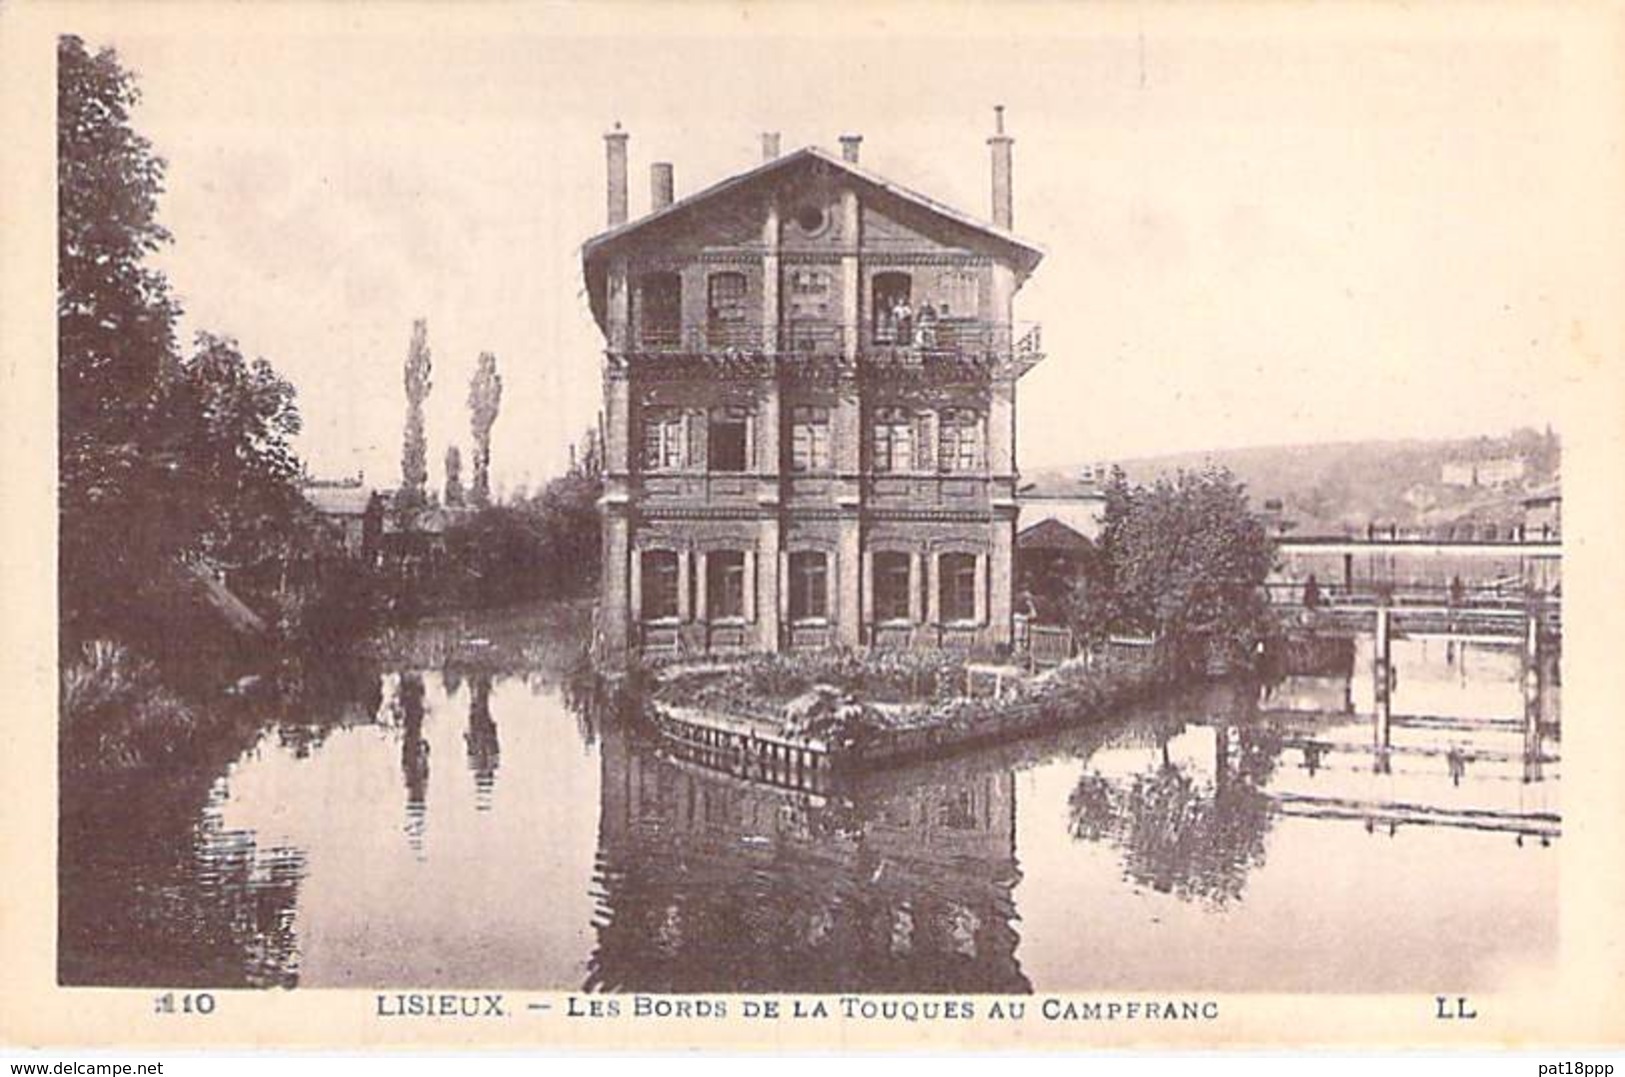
pixel 414 757
pixel 1180 832
pixel 711 883
pixel 1289 837
pixel 484 746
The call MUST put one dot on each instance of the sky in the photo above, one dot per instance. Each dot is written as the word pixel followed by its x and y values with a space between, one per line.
pixel 1254 236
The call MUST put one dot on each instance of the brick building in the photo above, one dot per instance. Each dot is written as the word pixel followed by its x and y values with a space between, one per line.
pixel 809 409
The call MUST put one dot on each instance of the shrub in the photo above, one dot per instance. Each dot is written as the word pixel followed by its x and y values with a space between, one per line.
pixel 116 715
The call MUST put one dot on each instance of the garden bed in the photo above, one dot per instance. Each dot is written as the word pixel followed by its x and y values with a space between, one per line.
pixel 858 710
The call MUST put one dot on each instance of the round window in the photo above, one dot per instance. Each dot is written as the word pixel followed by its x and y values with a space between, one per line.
pixel 810 219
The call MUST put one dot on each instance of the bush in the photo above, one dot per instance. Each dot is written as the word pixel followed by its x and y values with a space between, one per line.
pixel 761 684
pixel 116 715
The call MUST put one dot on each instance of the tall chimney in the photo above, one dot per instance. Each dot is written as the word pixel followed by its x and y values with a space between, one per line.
pixel 999 143
pixel 770 145
pixel 661 185
pixel 849 147
pixel 615 160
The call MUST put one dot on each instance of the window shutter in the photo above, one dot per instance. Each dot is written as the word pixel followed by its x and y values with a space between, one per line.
pixel 925 441
pixel 696 422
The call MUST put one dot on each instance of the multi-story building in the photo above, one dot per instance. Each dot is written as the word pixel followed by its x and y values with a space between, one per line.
pixel 809 409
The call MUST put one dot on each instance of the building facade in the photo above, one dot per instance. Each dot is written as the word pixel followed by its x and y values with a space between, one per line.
pixel 809 410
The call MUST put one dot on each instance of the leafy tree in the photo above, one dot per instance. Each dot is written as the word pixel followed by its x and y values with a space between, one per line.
pixel 568 507
pixel 454 477
pixel 162 459
pixel 1183 560
pixel 115 326
pixel 415 447
pixel 484 402
pixel 232 423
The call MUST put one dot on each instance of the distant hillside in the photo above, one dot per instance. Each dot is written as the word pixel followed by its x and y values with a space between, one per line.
pixel 1346 485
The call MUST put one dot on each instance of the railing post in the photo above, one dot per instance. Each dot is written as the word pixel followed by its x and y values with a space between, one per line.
pixel 1382 676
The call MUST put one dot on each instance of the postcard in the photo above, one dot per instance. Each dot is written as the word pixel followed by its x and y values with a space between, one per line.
pixel 818 526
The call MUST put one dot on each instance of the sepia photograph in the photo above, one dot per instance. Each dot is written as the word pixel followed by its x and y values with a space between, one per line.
pixel 563 513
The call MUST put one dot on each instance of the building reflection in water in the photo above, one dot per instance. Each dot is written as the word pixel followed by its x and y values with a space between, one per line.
pixel 709 882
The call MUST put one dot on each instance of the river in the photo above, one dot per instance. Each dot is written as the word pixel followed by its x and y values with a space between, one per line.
pixel 441 827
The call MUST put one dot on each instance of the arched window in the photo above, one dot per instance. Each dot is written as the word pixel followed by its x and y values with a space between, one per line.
pixel 889 308
pixel 660 309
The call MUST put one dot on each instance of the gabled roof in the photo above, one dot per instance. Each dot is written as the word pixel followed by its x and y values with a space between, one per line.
pixel 1023 254
pixel 1052 534
pixel 339 500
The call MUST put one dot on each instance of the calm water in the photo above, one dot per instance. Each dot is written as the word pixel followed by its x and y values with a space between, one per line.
pixel 439 830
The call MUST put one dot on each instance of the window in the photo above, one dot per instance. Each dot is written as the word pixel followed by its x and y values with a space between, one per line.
pixel 958 294
pixel 809 586
pixel 659 572
pixel 726 312
pixel 891 585
pixel 726 451
pixel 810 218
pixel 663 439
pixel 809 439
pixel 893 440
pixel 956 587
pixel 889 308
pixel 808 311
pixel 725 584
pixel 660 309
pixel 960 439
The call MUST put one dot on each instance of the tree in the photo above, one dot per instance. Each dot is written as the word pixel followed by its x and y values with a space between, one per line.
pixel 415 448
pixel 1178 835
pixel 162 459
pixel 484 401
pixel 454 477
pixel 115 336
pixel 231 423
pixel 1185 561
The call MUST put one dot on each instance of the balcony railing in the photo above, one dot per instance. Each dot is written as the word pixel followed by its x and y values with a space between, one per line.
pixel 958 338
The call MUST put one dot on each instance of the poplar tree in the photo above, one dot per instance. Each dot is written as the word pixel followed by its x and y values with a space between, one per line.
pixel 484 402
pixel 415 449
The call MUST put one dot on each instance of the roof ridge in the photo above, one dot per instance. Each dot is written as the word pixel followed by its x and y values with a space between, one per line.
pixel 737 179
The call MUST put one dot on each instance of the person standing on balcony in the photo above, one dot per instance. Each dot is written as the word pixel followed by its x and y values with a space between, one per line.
pixel 926 333
pixel 903 318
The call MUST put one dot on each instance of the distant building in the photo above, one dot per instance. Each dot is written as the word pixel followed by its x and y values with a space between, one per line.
pixel 809 409
pixel 1078 503
pixel 1543 513
pixel 413 541
pixel 353 511
pixel 1496 471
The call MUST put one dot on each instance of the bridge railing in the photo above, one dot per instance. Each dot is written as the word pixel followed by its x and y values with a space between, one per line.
pixel 1499 596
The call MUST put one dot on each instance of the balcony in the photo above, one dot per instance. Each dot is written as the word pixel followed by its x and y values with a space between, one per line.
pixel 948 342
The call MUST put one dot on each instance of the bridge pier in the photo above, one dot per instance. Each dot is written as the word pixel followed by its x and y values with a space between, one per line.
pixel 1534 671
pixel 1383 683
